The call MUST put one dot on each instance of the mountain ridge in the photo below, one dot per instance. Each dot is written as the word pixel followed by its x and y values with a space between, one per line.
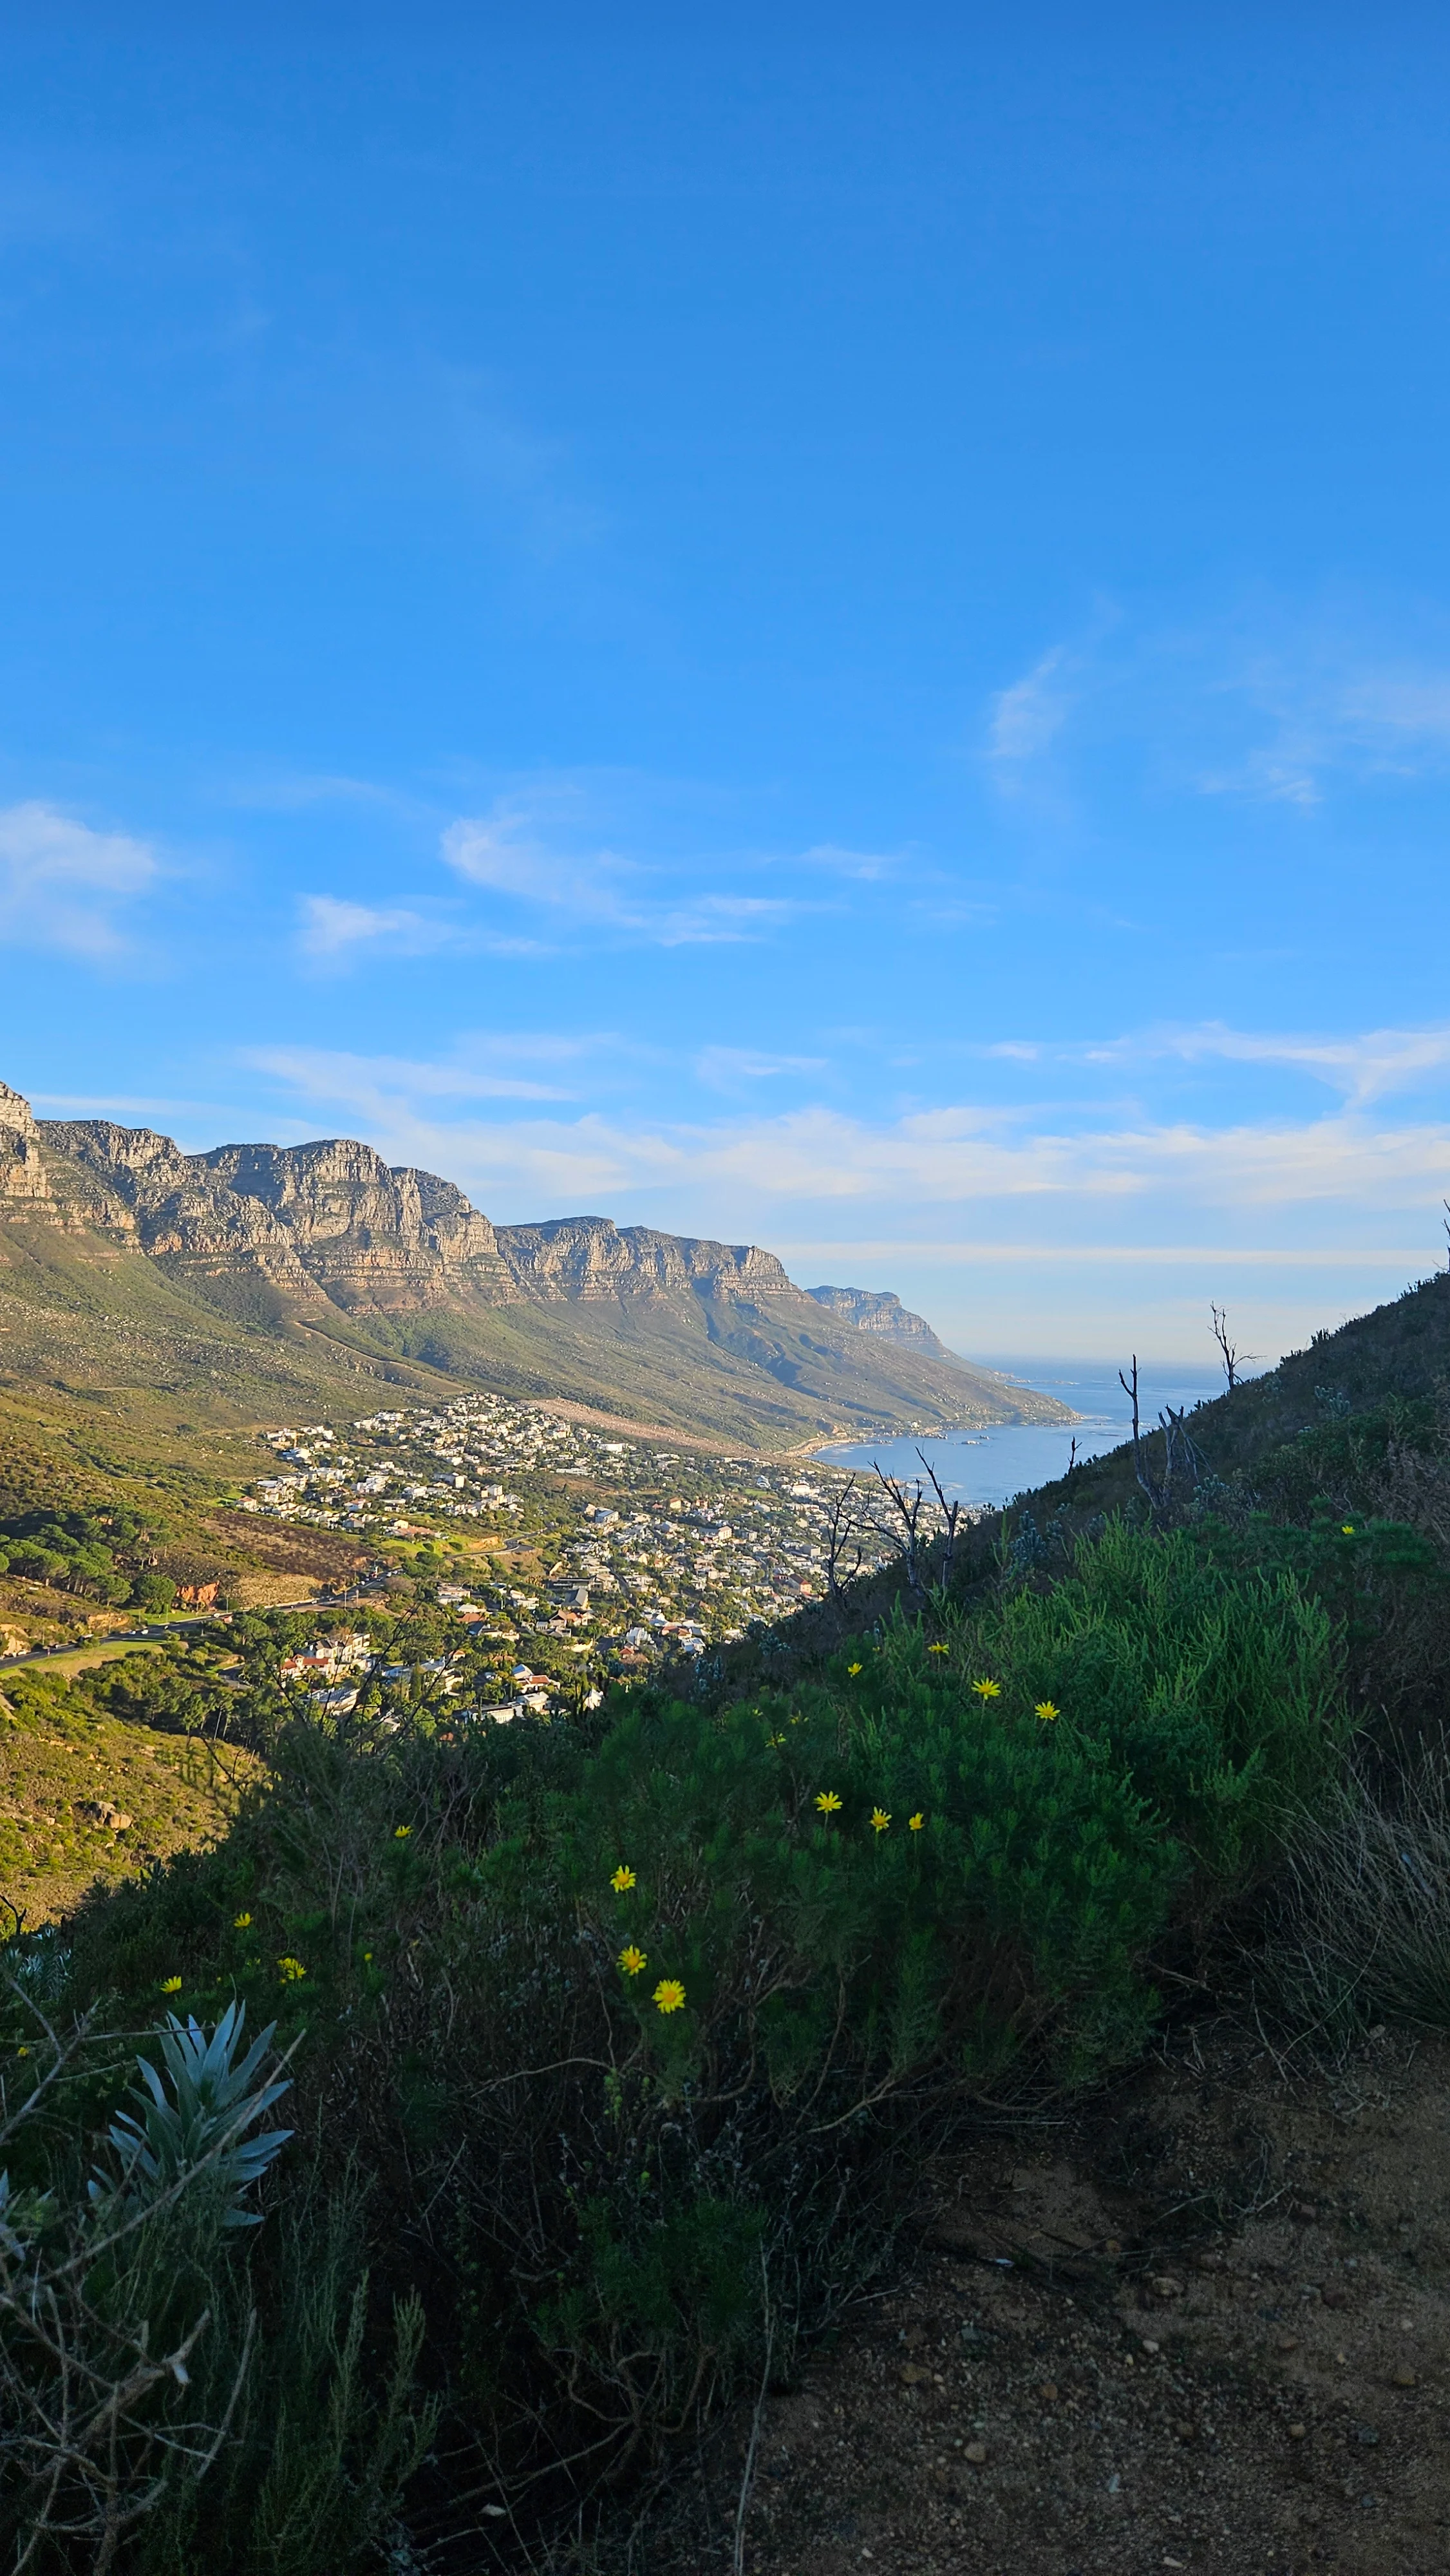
pixel 323 1247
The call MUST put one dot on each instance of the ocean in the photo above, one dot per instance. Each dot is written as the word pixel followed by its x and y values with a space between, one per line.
pixel 990 1466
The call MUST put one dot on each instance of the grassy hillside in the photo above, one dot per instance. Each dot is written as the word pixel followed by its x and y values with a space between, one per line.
pixel 87 1799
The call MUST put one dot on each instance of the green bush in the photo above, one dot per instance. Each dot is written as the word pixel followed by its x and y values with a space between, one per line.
pixel 153 2421
pixel 640 2032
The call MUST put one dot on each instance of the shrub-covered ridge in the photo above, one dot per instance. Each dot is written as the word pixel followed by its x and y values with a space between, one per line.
pixel 638 2026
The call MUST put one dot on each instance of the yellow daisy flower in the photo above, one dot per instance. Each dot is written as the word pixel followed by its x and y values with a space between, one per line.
pixel 828 1802
pixel 853 1670
pixel 987 1690
pixel 171 1985
pixel 632 1960
pixel 1346 1529
pixel 914 1823
pixel 401 1833
pixel 879 1820
pixel 938 1649
pixel 669 1994
pixel 290 1970
pixel 622 1880
pixel 1046 1710
pixel 241 1922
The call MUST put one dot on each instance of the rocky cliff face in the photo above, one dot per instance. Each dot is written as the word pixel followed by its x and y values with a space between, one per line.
pixel 876 1310
pixel 367 1234
pixel 325 1221
pixel 590 1257
pixel 331 1222
pixel 22 1166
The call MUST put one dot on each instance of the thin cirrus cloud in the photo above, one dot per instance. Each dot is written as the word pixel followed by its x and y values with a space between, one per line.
pixel 336 933
pixel 66 886
pixel 548 886
pixel 1365 1067
pixel 1271 703
pixel 1028 715
pixel 505 854
pixel 387 1089
pixel 731 1069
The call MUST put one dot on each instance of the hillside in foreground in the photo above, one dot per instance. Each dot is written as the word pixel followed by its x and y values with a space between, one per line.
pixel 937 2080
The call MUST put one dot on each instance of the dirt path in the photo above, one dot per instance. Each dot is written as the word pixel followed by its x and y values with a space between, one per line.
pixel 1206 2326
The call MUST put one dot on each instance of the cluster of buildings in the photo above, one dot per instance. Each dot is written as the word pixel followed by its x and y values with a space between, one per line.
pixel 627 1549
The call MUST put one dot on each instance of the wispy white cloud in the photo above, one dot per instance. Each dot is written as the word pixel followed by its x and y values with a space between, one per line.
pixel 1029 714
pixel 867 867
pixel 335 929
pixel 336 933
pixel 1365 1067
pixel 65 885
pixel 383 1087
pixel 727 1068
pixel 1265 701
pixel 509 851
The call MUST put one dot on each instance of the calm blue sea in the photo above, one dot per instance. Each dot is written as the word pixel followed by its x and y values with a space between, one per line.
pixel 991 1466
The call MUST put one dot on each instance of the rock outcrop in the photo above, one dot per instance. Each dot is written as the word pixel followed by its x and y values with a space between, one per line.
pixel 877 1310
pixel 591 1257
pixel 325 1221
pixel 22 1165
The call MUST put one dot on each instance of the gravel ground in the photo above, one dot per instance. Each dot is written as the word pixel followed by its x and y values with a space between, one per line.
pixel 1204 2325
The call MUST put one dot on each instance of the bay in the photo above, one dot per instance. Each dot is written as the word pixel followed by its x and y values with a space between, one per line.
pixel 992 1465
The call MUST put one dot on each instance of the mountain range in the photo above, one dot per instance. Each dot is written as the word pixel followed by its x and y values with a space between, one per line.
pixel 247 1276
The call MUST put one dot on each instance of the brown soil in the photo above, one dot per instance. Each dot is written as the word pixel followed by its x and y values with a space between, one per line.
pixel 294 1551
pixel 1205 2324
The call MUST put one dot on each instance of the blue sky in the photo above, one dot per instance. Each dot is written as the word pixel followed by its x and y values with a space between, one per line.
pixel 823 626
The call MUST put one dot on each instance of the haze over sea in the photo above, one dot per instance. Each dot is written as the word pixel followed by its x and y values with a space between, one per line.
pixel 1007 1458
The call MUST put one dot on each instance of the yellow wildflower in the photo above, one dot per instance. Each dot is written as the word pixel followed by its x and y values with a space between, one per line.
pixel 171 1985
pixel 828 1802
pixel 290 1970
pixel 852 1670
pixel 1346 1529
pixel 632 1960
pixel 879 1820
pixel 241 1922
pixel 914 1823
pixel 987 1690
pixel 401 1833
pixel 1046 1710
pixel 669 1994
pixel 938 1649
pixel 622 1880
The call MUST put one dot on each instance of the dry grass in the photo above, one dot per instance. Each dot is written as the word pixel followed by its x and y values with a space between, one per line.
pixel 1362 1924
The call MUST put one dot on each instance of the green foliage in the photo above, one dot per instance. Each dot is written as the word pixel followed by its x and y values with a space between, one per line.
pixel 196 2109
pixel 1382 1583
pixel 658 2013
pixel 155 2421
pixel 101 1555
pixel 175 1690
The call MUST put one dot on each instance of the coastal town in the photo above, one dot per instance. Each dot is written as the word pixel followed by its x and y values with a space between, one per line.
pixel 543 1529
